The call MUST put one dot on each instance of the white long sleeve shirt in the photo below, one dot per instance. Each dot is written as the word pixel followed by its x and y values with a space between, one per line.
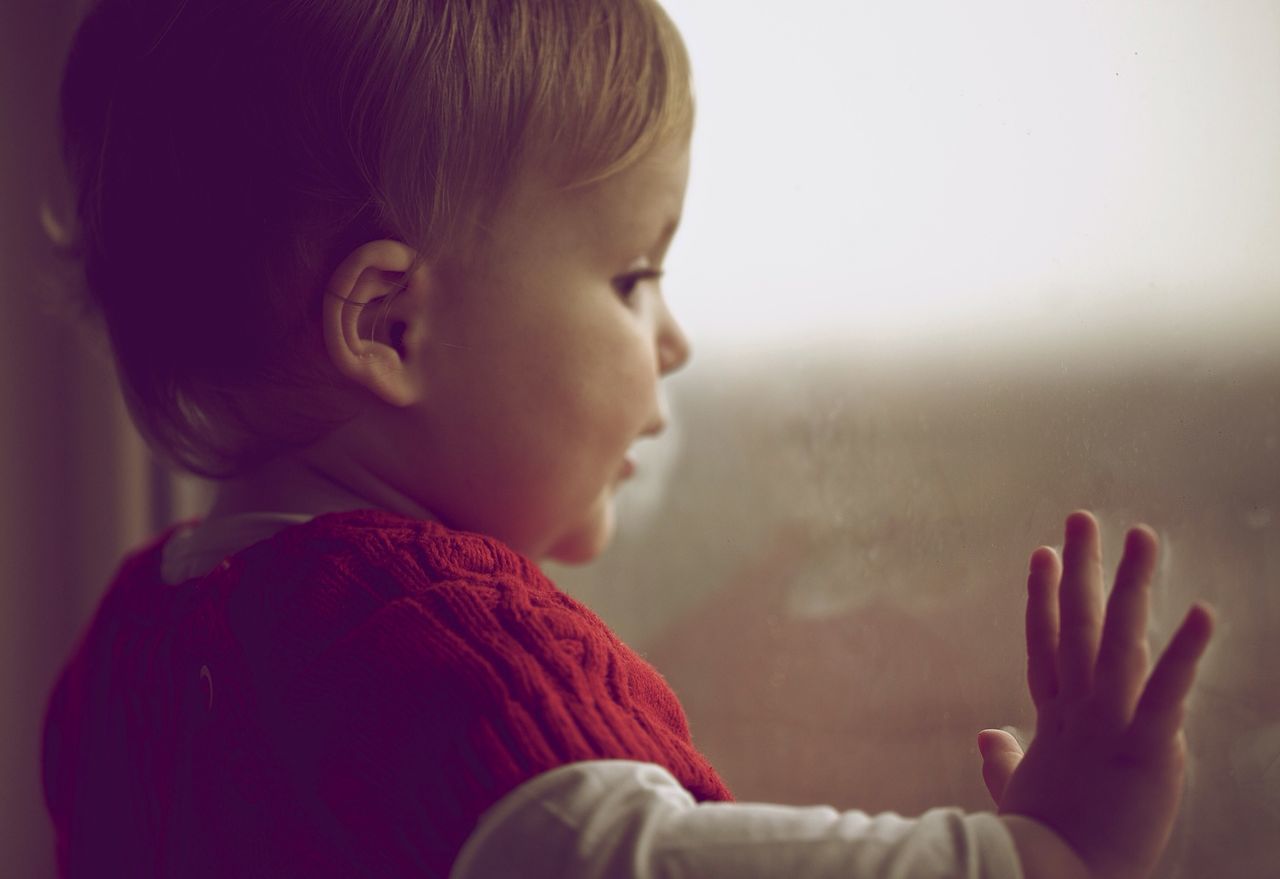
pixel 619 819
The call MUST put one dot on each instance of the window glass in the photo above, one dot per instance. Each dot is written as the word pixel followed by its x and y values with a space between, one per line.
pixel 951 271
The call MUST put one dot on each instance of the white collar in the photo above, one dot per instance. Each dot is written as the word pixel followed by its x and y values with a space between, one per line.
pixel 195 550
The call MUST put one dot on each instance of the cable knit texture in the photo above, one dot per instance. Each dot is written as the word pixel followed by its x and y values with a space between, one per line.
pixel 344 699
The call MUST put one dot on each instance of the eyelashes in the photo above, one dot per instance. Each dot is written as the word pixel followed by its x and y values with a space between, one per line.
pixel 626 285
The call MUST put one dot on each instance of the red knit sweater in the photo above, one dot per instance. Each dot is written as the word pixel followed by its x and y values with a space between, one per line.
pixel 343 699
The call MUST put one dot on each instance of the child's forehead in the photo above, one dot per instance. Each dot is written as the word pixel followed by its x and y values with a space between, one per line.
pixel 624 210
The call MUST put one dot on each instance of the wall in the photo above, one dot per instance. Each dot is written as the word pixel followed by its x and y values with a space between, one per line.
pixel 75 480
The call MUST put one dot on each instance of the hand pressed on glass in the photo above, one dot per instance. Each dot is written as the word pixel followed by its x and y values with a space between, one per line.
pixel 1105 769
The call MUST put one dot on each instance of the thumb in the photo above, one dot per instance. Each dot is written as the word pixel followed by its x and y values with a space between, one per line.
pixel 1001 755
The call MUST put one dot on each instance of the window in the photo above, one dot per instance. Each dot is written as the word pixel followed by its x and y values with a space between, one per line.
pixel 951 271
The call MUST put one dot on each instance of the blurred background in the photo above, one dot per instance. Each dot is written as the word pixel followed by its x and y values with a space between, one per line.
pixel 950 271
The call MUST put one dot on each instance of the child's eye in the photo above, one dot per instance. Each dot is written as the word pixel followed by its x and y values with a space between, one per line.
pixel 626 285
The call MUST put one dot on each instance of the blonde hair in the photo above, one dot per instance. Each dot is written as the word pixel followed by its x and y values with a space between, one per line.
pixel 226 156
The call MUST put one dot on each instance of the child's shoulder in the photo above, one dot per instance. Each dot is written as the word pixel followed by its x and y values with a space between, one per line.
pixel 383 578
pixel 390 554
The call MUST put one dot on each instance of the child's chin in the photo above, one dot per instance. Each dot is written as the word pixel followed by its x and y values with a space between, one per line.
pixel 585 543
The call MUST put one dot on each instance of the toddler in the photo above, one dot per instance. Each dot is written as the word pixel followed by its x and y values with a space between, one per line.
pixel 388 271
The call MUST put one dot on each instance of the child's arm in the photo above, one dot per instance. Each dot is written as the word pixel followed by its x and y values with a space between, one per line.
pixel 1105 770
pixel 621 819
pixel 1094 797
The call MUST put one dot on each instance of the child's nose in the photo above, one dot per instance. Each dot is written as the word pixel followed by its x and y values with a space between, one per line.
pixel 673 345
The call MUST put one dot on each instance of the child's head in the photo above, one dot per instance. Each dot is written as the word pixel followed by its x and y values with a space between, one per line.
pixel 233 158
pixel 512 385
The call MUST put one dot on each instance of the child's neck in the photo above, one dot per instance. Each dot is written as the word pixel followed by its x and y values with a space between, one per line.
pixel 298 485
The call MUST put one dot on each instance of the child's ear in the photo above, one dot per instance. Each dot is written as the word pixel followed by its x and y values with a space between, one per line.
pixel 375 321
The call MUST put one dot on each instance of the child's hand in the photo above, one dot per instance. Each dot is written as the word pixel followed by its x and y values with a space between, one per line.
pixel 1105 769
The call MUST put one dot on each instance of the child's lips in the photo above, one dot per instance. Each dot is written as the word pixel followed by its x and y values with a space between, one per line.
pixel 628 467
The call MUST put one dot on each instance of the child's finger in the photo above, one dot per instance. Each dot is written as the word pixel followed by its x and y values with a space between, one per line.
pixel 1080 602
pixel 1159 713
pixel 1001 755
pixel 1042 625
pixel 1122 655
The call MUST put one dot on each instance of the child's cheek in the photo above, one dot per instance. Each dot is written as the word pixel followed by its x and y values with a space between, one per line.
pixel 637 388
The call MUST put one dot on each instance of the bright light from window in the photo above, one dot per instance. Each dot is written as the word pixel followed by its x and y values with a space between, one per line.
pixel 932 171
